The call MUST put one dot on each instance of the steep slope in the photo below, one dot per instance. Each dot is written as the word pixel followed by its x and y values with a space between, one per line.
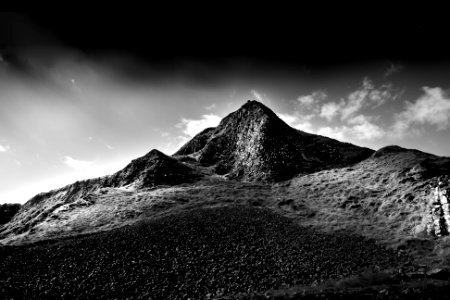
pixel 253 144
pixel 149 171
pixel 197 142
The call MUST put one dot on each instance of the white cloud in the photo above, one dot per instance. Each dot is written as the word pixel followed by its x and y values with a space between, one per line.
pixel 432 108
pixel 309 100
pixel 332 132
pixel 297 122
pixel 78 164
pixel 365 96
pixel 382 94
pixel 192 127
pixel 257 95
pixel 330 110
pixel 359 128
pixel 364 129
pixel 164 134
pixel 288 118
pixel 4 148
pixel 358 98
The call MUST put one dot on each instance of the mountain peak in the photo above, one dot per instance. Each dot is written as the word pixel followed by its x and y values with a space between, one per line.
pixel 256 109
pixel 155 153
pixel 154 168
pixel 254 144
pixel 251 114
pixel 253 104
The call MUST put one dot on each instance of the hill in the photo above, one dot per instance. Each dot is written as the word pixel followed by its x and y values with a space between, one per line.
pixel 251 144
pixel 46 210
pixel 254 161
pixel 254 144
pixel 383 197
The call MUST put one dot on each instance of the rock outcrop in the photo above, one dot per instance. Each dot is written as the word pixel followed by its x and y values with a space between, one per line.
pixel 254 144
pixel 197 142
pixel 153 169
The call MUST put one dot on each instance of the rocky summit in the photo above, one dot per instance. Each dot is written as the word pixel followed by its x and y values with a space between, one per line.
pixel 254 144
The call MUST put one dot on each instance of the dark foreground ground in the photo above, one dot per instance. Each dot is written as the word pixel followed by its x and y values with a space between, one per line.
pixel 228 252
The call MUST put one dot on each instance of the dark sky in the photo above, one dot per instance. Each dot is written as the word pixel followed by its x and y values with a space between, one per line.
pixel 302 36
pixel 83 94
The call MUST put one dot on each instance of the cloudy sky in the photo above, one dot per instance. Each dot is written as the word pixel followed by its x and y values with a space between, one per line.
pixel 72 111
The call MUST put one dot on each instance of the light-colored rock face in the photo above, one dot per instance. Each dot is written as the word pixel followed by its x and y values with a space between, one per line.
pixel 438 222
pixel 248 155
pixel 250 151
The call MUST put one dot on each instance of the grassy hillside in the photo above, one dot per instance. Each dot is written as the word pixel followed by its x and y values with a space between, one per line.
pixel 383 197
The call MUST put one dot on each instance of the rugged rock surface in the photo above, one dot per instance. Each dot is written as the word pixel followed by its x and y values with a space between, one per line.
pixel 202 253
pixel 197 143
pixel 153 169
pixel 253 144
